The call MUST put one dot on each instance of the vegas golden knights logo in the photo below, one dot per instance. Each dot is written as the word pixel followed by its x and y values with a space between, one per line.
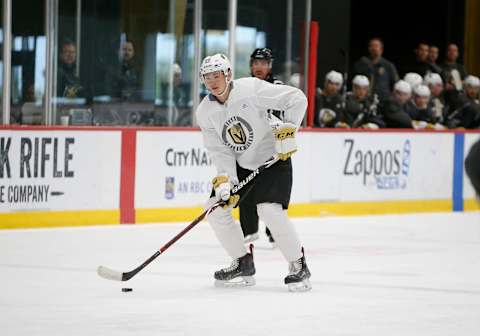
pixel 237 134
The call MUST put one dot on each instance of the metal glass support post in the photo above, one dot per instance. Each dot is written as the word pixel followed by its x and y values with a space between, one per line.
pixel 306 51
pixel 7 59
pixel 51 17
pixel 232 24
pixel 78 35
pixel 197 29
pixel 288 44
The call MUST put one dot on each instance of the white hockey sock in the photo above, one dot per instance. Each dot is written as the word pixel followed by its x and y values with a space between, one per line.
pixel 282 229
pixel 227 231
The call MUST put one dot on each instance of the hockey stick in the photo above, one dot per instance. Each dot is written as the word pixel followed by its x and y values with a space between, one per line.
pixel 110 274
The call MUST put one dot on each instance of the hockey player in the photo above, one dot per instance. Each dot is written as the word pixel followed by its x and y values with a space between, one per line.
pixel 330 104
pixel 244 123
pixel 261 61
pixel 471 86
pixel 360 108
pixel 393 109
pixel 437 101
pixel 421 111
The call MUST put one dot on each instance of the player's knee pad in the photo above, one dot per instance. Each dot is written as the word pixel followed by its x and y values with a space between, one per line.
pixel 266 210
pixel 273 215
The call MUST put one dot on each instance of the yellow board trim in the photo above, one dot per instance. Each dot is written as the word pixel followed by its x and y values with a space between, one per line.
pixel 39 219
pixel 170 214
pixel 471 205
pixel 310 210
pixel 369 208
pixel 22 220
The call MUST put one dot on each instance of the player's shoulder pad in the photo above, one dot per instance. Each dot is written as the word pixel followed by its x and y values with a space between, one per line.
pixel 205 106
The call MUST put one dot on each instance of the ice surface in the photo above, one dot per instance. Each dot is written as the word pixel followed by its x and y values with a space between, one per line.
pixel 381 275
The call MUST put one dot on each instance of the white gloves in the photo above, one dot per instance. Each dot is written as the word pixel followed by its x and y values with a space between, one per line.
pixel 222 187
pixel 285 143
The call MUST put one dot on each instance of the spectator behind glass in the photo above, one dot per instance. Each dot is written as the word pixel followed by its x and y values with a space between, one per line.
pixel 68 83
pixel 433 58
pixel 382 73
pixel 180 98
pixel 329 103
pixel 122 81
pixel 421 64
pixel 453 72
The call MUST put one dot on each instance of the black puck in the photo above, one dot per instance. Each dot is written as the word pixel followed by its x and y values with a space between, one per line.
pixel 127 289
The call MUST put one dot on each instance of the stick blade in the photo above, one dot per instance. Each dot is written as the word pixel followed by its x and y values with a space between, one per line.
pixel 109 274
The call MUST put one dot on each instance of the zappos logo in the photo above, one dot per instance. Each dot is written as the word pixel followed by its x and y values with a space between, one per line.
pixel 383 169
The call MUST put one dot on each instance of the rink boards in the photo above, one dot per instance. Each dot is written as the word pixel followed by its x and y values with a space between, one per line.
pixel 82 176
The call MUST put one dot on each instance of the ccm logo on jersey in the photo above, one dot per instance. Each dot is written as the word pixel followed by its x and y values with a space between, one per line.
pixel 237 134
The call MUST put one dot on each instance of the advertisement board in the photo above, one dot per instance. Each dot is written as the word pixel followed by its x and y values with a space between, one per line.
pixel 386 166
pixel 173 169
pixel 59 170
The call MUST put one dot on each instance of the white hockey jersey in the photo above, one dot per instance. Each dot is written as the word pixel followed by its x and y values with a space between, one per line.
pixel 239 130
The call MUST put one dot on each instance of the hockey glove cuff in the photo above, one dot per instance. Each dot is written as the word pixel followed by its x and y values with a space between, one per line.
pixel 222 187
pixel 285 143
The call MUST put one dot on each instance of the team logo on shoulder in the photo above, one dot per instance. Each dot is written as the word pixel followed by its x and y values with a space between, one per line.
pixel 237 134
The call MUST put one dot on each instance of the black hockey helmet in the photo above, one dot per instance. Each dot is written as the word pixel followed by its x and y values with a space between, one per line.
pixel 262 53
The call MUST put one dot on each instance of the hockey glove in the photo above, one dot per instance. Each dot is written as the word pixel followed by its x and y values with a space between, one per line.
pixel 285 143
pixel 222 187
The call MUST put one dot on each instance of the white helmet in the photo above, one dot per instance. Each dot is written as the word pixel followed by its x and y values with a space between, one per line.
pixel 334 77
pixel 176 69
pixel 433 79
pixel 361 81
pixel 403 87
pixel 217 62
pixel 472 81
pixel 413 79
pixel 422 91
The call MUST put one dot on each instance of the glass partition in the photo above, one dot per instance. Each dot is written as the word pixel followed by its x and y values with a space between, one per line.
pixel 1 63
pixel 275 24
pixel 214 35
pixel 124 62
pixel 28 62
pixel 128 62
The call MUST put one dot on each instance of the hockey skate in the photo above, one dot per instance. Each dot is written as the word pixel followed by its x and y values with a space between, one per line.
pixel 250 238
pixel 298 280
pixel 239 274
